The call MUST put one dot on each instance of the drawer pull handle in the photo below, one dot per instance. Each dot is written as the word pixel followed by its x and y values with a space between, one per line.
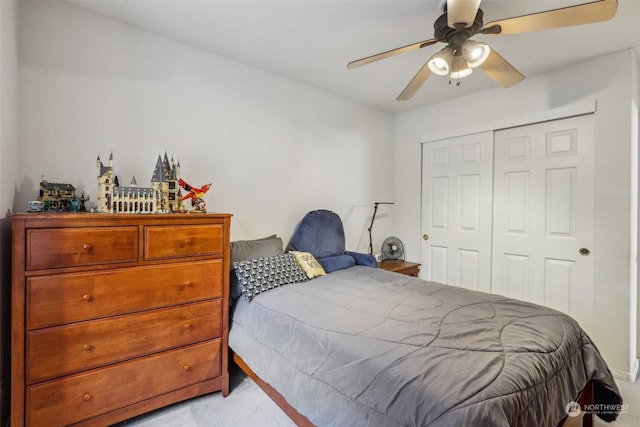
pixel 87 347
pixel 187 326
pixel 86 247
pixel 86 397
pixel 86 297
pixel 185 285
pixel 186 368
pixel 187 242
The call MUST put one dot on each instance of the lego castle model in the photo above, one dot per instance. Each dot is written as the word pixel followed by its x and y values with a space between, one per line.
pixel 163 196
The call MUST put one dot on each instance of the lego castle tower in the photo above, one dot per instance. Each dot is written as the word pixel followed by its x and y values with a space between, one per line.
pixel 161 197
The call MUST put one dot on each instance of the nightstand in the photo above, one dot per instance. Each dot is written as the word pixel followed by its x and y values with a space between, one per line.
pixel 402 267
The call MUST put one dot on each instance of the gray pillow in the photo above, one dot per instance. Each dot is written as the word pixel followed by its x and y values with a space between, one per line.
pixel 242 250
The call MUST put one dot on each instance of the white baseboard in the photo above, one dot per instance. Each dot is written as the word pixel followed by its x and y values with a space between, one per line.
pixel 627 376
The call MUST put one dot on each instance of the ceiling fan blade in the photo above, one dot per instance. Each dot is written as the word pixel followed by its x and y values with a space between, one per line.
pixel 461 12
pixel 586 13
pixel 415 83
pixel 500 70
pixel 389 53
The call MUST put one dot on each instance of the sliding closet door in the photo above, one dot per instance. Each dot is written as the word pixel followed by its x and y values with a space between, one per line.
pixel 456 211
pixel 543 215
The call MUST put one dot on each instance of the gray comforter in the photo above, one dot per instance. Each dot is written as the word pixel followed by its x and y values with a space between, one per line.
pixel 366 347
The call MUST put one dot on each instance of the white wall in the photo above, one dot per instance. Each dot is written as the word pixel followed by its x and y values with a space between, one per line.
pixel 8 104
pixel 635 135
pixel 274 149
pixel 8 173
pixel 607 80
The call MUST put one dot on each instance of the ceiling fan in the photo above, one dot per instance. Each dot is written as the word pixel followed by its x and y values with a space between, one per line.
pixel 462 19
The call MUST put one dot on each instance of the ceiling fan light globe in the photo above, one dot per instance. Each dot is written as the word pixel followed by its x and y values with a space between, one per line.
pixel 440 62
pixel 459 66
pixel 439 66
pixel 475 53
pixel 460 73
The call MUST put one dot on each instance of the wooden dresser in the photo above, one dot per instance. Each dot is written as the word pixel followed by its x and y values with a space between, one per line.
pixel 114 315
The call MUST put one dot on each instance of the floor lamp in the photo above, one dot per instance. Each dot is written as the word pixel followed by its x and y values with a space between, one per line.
pixel 373 218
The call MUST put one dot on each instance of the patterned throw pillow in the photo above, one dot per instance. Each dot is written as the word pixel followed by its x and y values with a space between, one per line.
pixel 242 250
pixel 309 264
pixel 261 274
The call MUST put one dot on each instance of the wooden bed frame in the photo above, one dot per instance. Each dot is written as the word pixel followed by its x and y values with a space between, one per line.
pixel 296 417
pixel 585 398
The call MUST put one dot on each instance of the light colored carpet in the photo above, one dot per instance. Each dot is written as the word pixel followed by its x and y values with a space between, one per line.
pixel 248 406
pixel 245 406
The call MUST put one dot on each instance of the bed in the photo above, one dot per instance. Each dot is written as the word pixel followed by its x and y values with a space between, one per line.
pixel 366 347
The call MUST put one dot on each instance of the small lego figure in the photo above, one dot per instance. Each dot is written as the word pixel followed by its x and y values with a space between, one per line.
pixel 195 194
pixel 83 200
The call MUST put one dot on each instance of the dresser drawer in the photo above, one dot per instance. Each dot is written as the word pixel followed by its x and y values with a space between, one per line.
pixel 83 396
pixel 65 349
pixel 67 247
pixel 65 298
pixel 162 242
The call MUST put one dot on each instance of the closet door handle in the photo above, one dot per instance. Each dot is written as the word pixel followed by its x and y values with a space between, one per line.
pixel 584 251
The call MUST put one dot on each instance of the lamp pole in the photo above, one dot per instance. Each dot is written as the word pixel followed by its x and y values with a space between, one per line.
pixel 373 218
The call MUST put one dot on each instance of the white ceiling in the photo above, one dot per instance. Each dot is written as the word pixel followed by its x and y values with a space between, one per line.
pixel 311 41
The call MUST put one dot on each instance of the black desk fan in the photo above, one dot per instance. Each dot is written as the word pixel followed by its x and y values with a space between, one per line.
pixel 392 249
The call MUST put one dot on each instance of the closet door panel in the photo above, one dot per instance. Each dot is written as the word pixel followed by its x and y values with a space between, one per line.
pixel 457 202
pixel 543 213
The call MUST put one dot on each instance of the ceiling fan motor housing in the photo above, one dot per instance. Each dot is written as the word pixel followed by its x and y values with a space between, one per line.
pixel 456 36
